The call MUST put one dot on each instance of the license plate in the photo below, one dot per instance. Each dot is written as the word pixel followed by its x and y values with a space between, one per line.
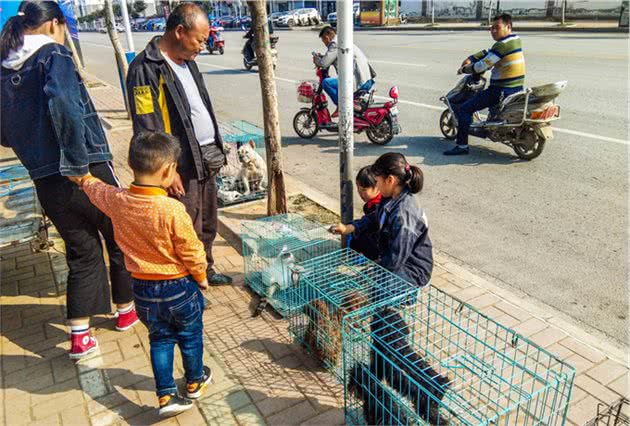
pixel 394 110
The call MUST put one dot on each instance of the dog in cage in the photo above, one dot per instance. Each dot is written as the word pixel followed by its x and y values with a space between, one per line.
pixel 392 358
pixel 253 173
pixel 379 405
pixel 323 334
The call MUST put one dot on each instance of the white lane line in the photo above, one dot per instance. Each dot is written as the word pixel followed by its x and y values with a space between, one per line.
pixel 591 136
pixel 421 105
pixel 406 64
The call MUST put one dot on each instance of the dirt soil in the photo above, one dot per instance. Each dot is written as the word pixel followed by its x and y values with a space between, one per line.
pixel 308 208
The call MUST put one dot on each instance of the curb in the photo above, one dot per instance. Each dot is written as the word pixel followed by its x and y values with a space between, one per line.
pixel 585 334
pixel 516 29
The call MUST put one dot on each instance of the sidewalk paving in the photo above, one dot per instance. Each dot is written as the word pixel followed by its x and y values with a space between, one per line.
pixel 261 377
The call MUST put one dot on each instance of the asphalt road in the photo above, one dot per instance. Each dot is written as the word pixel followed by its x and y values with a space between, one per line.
pixel 555 228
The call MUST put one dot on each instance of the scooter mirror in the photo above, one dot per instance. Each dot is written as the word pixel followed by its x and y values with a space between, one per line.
pixel 393 92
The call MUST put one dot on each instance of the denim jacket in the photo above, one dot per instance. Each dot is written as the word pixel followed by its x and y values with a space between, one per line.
pixel 48 117
pixel 404 244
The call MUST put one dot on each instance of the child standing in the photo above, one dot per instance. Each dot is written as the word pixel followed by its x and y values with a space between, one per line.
pixel 367 242
pixel 403 234
pixel 166 260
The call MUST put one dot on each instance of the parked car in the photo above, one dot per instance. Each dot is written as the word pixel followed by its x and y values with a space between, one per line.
pixel 226 21
pixel 119 28
pixel 275 16
pixel 332 17
pixel 289 19
pixel 308 16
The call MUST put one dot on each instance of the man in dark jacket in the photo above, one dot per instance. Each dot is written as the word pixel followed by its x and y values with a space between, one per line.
pixel 167 93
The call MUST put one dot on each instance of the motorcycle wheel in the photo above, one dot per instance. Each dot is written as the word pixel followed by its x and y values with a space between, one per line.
pixel 446 125
pixel 529 153
pixel 381 134
pixel 305 124
pixel 221 51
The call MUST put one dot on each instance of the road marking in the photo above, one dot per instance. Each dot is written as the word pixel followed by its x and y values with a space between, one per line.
pixel 419 104
pixel 406 64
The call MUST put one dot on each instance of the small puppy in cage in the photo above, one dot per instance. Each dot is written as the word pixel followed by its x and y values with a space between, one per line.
pixel 253 173
pixel 391 347
pixel 323 334
pixel 379 408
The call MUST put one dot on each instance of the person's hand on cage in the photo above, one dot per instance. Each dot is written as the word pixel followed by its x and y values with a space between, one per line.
pixel 341 229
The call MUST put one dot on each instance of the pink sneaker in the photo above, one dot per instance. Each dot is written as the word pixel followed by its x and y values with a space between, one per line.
pixel 82 344
pixel 127 320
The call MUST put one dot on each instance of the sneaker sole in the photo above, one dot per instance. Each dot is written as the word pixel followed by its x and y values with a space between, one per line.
pixel 174 410
pixel 201 388
pixel 83 354
pixel 128 327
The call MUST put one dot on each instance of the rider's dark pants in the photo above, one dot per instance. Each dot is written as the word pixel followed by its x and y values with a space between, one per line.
pixel 486 99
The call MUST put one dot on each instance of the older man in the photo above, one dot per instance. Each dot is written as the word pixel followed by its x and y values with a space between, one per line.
pixel 167 93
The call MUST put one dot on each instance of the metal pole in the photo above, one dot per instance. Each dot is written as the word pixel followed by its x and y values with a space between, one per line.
pixel 125 16
pixel 346 122
pixel 432 12
pixel 564 7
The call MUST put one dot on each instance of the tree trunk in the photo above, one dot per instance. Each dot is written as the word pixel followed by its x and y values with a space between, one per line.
pixel 75 55
pixel 119 52
pixel 277 196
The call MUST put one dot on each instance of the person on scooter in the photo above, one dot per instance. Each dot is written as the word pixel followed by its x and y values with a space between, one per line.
pixel 508 76
pixel 249 44
pixel 363 72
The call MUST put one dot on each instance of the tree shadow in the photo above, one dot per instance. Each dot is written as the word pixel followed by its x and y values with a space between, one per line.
pixel 227 72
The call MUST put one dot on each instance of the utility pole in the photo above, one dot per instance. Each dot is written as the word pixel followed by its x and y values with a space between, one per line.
pixel 345 57
pixel 125 16
pixel 432 12
pixel 564 11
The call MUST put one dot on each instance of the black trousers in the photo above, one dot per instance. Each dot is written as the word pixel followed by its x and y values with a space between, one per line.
pixel 79 224
pixel 201 204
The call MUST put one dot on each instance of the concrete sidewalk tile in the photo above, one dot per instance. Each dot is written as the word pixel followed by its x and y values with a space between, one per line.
pixel 75 416
pixel 130 345
pixel 192 417
pixel 469 293
pixel 530 327
pixel 484 300
pixel 548 336
pixel 331 417
pixel 560 351
pixel 294 415
pixel 274 405
pixel 107 402
pixel 596 389
pixel 31 379
pixel 19 274
pixel 249 416
pixel 582 349
pixel 580 364
pixel 621 386
pixel 12 363
pixel 63 368
pixel 20 402
pixel 93 384
pixel 583 411
pixel 577 394
pixel 607 372
pixel 51 420
pixel 513 311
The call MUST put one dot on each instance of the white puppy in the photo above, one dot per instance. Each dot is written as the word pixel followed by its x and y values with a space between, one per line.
pixel 253 174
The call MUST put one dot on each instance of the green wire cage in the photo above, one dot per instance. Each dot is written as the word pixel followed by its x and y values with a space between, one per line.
pixel 440 361
pixel 273 247
pixel 332 290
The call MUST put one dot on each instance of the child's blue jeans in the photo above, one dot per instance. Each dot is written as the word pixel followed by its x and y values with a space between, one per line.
pixel 172 311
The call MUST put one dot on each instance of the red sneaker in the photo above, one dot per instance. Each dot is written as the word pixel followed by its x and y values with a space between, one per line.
pixel 127 320
pixel 336 113
pixel 82 344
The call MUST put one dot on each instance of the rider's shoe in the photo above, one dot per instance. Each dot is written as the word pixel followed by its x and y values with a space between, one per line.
pixel 458 150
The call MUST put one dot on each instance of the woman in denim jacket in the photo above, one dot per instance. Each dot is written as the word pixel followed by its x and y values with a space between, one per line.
pixel 50 122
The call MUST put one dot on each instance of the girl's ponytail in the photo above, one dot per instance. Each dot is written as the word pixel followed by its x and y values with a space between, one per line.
pixel 415 180
pixel 395 164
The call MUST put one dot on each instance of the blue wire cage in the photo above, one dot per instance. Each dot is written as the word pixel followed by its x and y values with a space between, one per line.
pixel 274 246
pixel 332 290
pixel 440 361
pixel 230 188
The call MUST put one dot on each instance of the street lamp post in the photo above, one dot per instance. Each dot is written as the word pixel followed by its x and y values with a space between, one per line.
pixel 125 16
pixel 346 122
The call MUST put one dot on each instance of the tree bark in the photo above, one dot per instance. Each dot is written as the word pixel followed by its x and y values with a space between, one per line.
pixel 75 55
pixel 277 196
pixel 119 52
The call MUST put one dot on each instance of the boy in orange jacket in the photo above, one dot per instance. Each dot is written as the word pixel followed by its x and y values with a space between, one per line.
pixel 166 260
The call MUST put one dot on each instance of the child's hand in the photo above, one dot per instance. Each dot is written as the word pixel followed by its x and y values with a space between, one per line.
pixel 341 229
pixel 203 285
pixel 78 179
